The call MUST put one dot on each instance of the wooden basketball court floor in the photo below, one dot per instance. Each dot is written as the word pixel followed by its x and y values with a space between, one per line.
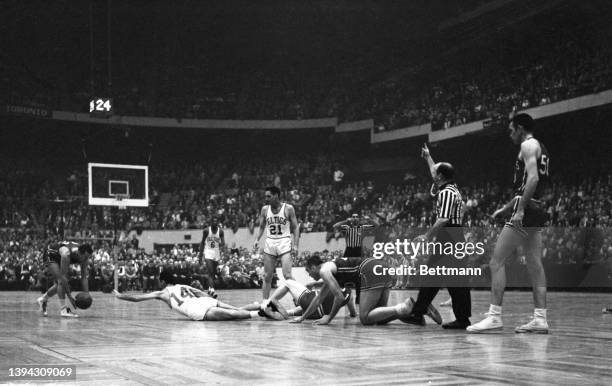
pixel 116 342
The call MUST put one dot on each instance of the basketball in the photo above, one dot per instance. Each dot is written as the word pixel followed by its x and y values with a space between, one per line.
pixel 83 300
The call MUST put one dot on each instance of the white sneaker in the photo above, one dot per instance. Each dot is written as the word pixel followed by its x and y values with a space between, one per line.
pixel 606 310
pixel 43 305
pixel 536 326
pixel 490 323
pixel 67 313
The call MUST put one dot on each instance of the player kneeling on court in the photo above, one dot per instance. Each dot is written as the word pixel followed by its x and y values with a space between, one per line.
pixel 191 302
pixel 374 288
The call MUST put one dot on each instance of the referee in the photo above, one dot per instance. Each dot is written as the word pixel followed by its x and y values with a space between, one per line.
pixel 353 230
pixel 447 228
pixel 353 233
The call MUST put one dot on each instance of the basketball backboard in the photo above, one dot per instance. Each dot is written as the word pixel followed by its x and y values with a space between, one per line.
pixel 107 182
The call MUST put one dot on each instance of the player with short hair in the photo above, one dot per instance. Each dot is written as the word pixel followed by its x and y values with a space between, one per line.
pixel 279 221
pixel 369 275
pixel 210 251
pixel 524 228
pixel 57 259
pixel 191 302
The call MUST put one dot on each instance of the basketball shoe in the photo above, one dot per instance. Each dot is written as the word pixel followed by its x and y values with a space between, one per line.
pixel 67 313
pixel 490 323
pixel 607 310
pixel 42 302
pixel 535 326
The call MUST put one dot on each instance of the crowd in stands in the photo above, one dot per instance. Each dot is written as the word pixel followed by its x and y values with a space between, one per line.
pixel 489 79
pixel 22 267
pixel 478 80
pixel 580 217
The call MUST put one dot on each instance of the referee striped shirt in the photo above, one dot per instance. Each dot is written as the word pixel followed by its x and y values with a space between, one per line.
pixel 354 234
pixel 450 204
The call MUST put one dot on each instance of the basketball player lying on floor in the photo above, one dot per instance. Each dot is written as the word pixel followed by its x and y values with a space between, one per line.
pixel 193 303
pixel 302 297
pixel 375 290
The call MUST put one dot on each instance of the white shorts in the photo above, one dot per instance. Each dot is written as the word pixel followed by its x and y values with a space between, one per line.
pixel 277 247
pixel 212 254
pixel 198 307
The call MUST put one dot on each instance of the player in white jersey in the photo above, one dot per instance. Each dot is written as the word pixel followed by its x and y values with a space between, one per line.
pixel 193 303
pixel 210 250
pixel 279 221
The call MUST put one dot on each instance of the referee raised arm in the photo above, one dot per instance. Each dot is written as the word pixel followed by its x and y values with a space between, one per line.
pixel 447 228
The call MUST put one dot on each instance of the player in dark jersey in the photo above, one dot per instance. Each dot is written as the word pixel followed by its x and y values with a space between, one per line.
pixel 524 228
pixel 302 297
pixel 370 275
pixel 57 259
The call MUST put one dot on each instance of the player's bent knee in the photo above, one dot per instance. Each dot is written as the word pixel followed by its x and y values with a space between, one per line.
pixel 495 265
pixel 365 320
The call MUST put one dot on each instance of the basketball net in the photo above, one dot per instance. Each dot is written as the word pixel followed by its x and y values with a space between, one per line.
pixel 121 201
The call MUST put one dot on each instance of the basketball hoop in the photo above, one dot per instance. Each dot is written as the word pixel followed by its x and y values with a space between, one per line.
pixel 121 201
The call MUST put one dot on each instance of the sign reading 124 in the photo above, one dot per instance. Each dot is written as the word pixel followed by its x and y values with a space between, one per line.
pixel 100 105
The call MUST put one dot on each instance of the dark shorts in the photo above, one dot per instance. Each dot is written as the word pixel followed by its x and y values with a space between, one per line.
pixel 211 266
pixel 371 277
pixel 326 304
pixel 304 301
pixel 535 214
pixel 352 252
pixel 51 256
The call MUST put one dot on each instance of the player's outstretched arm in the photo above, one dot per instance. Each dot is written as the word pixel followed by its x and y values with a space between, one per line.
pixel 85 276
pixel 331 285
pixel 62 276
pixel 139 298
pixel 316 302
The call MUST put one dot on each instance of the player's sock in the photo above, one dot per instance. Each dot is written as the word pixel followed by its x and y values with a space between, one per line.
pixel 264 303
pixel 495 311
pixel 401 308
pixel 539 313
pixel 291 312
pixel 254 314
